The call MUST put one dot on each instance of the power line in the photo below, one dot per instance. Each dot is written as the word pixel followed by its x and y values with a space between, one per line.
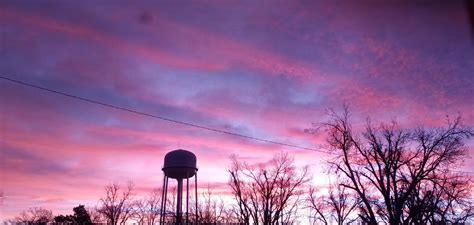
pixel 171 120
pixel 158 116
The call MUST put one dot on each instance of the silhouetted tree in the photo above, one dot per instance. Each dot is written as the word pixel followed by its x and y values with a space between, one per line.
pixel 62 219
pixel 444 198
pixel 170 216
pixel 35 216
pixel 337 205
pixel 210 207
pixel 95 215
pixel 116 206
pixel 147 210
pixel 387 166
pixel 81 216
pixel 240 191
pixel 141 211
pixel 289 214
pixel 263 192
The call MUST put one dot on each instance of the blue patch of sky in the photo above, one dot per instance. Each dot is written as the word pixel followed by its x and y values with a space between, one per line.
pixel 182 85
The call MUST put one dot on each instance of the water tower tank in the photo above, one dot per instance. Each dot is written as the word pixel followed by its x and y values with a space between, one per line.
pixel 180 164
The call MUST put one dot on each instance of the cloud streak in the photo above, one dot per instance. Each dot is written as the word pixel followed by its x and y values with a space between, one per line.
pixel 269 75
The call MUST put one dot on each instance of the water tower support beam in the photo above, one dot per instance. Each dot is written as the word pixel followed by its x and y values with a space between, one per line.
pixel 196 197
pixel 179 208
pixel 162 198
pixel 187 200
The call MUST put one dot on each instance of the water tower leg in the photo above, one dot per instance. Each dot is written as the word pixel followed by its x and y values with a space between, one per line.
pixel 187 200
pixel 179 202
pixel 196 196
pixel 162 198
pixel 165 200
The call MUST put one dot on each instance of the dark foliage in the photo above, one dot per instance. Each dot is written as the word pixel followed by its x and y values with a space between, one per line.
pixel 81 216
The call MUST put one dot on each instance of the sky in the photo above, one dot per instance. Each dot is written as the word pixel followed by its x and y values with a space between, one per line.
pixel 267 69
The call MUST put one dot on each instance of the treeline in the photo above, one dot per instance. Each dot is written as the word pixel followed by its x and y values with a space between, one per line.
pixel 121 205
pixel 382 174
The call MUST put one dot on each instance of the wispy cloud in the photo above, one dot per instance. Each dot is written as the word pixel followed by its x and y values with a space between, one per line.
pixel 260 70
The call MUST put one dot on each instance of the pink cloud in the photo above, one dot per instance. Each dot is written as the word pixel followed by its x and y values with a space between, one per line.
pixel 102 155
pixel 232 52
pixel 91 146
pixel 152 54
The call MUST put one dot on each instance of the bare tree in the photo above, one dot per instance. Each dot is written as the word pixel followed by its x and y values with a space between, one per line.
pixel 289 214
pixel 229 214
pixel 386 164
pixel 153 203
pixel 147 210
pixel 116 206
pixel 210 207
pixel 36 216
pixel 240 191
pixel 95 215
pixel 140 213
pixel 169 214
pixel 444 198
pixel 263 192
pixel 337 205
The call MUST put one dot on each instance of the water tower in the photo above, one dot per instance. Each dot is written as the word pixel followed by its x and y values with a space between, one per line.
pixel 180 165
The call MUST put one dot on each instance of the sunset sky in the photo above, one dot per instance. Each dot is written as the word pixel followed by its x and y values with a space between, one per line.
pixel 265 69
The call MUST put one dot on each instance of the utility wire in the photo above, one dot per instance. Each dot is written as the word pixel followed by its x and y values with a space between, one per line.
pixel 171 120
pixel 159 117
